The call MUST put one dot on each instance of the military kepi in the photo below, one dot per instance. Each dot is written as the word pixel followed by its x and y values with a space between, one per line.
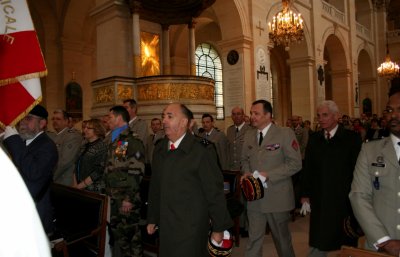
pixel 39 111
pixel 252 188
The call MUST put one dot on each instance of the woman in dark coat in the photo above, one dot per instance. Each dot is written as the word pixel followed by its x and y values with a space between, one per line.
pixel 90 165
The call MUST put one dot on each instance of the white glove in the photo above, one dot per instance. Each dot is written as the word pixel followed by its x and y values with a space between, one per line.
pixel 10 131
pixel 263 179
pixel 305 208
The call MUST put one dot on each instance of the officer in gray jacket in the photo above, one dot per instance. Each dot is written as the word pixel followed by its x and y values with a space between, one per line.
pixel 375 191
pixel 68 142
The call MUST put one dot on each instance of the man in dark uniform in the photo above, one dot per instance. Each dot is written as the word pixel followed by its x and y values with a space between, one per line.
pixel 35 156
pixel 330 157
pixel 186 190
pixel 124 172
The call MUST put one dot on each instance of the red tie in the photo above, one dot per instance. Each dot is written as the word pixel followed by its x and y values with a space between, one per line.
pixel 328 135
pixel 172 147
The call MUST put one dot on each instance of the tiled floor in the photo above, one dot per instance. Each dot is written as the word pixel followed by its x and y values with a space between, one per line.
pixel 299 230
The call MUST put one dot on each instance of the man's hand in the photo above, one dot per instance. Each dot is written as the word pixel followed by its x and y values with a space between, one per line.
pixel 10 131
pixel 264 174
pixel 151 229
pixel 217 236
pixel 391 247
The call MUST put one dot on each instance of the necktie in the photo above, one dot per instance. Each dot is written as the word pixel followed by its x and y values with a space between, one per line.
pixel 260 139
pixel 328 136
pixel 172 147
pixel 237 130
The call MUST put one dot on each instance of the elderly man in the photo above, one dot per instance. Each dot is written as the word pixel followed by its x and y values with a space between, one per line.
pixel 68 142
pixel 272 154
pixel 186 190
pixel 329 162
pixel 374 192
pixel 35 156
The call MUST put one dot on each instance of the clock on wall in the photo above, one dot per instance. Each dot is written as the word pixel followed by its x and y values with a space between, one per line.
pixel 233 57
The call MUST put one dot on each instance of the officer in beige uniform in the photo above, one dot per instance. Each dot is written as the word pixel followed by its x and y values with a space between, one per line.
pixel 217 137
pixel 272 154
pixel 68 142
pixel 375 191
pixel 235 135
pixel 136 125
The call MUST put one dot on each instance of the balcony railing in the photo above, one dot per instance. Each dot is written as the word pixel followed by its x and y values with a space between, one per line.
pixel 362 31
pixel 334 13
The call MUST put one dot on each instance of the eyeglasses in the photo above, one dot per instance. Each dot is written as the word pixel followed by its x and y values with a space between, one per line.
pixel 30 117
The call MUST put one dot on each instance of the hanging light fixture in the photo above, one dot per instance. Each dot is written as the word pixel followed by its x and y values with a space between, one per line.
pixel 286 27
pixel 388 69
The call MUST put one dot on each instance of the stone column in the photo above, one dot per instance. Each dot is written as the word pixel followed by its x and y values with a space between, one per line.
pixel 165 50
pixel 137 62
pixel 113 39
pixel 192 48
pixel 304 86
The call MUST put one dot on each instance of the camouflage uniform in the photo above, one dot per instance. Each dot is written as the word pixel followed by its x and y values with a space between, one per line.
pixel 124 172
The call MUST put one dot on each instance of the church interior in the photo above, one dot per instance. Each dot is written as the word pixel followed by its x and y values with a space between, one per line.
pixel 215 55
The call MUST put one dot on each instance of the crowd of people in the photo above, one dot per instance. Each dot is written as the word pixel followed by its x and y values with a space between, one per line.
pixel 300 168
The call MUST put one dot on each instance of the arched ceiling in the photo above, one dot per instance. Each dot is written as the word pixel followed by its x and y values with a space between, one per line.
pixel 169 12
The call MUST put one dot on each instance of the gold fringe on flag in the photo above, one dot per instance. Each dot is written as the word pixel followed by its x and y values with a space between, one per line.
pixel 39 74
pixel 23 114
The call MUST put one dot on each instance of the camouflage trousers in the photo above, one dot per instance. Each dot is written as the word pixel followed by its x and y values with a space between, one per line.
pixel 125 233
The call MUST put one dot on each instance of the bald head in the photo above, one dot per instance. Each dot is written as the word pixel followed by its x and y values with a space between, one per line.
pixel 237 116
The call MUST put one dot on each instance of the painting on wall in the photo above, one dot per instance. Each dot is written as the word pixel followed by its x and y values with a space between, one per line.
pixel 150 53
pixel 74 100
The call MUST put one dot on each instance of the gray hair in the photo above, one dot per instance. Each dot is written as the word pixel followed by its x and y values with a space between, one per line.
pixel 332 106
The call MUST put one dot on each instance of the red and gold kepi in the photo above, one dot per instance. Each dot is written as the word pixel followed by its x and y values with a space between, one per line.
pixel 252 188
pixel 224 250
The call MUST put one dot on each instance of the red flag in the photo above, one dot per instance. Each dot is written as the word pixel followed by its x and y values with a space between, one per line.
pixel 21 63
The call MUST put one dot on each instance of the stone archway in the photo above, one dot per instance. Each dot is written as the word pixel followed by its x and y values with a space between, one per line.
pixel 337 75
pixel 366 82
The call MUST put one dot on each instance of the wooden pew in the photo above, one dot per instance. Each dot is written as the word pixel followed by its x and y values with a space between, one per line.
pixel 347 251
pixel 80 221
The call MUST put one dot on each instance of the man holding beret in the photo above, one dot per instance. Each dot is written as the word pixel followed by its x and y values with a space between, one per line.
pixel 35 156
pixel 271 154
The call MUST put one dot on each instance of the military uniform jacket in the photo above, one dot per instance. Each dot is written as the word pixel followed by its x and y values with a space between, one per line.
pixel 377 208
pixel 139 130
pixel 221 145
pixel 326 180
pixel 278 155
pixel 125 168
pixel 235 140
pixel 68 143
pixel 36 163
pixel 186 192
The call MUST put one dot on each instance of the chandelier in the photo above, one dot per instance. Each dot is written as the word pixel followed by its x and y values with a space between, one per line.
pixel 388 69
pixel 286 27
